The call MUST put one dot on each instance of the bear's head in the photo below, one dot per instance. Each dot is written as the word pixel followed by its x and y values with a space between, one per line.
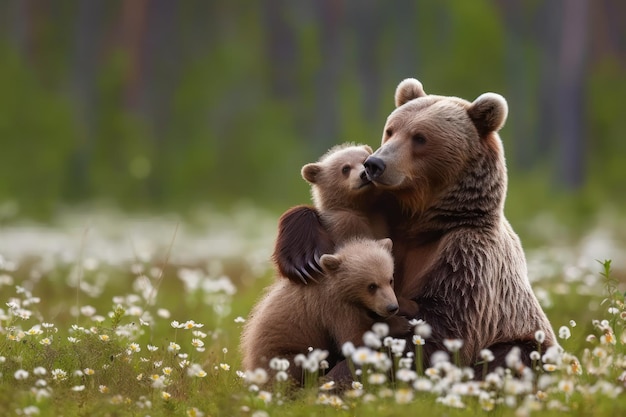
pixel 338 179
pixel 361 272
pixel 431 143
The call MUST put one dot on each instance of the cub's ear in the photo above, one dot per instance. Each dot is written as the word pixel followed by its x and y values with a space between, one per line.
pixel 407 90
pixel 330 262
pixel 488 112
pixel 386 243
pixel 310 172
pixel 368 149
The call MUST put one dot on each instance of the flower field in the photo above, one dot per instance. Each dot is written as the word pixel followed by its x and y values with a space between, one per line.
pixel 112 315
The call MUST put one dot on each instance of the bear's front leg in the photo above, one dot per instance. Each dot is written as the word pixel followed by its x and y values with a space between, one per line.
pixel 399 326
pixel 301 241
pixel 341 374
pixel 408 308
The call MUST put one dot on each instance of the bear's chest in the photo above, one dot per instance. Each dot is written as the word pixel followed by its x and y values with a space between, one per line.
pixel 413 261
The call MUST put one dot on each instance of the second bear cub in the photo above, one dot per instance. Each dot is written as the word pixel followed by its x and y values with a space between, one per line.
pixel 357 292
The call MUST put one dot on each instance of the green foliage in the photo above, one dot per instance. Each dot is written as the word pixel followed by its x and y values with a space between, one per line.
pixel 38 137
pixel 193 116
pixel 472 33
pixel 606 88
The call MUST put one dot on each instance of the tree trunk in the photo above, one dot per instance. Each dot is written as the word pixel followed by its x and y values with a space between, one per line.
pixel 524 138
pixel 83 71
pixel 571 94
pixel 326 115
pixel 281 48
pixel 547 39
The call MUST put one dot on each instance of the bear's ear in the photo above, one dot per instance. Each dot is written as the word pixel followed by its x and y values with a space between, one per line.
pixel 407 90
pixel 488 112
pixel 310 171
pixel 387 244
pixel 330 262
pixel 368 148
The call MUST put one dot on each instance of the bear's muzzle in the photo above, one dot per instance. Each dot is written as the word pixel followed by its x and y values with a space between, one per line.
pixel 374 167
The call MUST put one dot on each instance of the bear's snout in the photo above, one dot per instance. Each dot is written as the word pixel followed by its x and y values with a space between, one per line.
pixel 374 167
pixel 392 309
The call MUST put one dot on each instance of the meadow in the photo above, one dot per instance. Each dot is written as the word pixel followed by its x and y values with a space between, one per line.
pixel 104 314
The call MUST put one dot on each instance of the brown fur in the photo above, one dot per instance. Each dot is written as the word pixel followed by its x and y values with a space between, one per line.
pixel 292 317
pixel 455 252
pixel 343 196
pixel 347 203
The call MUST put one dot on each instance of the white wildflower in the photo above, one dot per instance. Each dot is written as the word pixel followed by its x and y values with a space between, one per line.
pixel 422 384
pixel 418 340
pixel 404 396
pixel 406 375
pixel 423 329
pixel 371 340
pixel 328 386
pixel 380 329
pixel 377 379
pixel 451 400
pixel 21 374
pixel 40 371
pixel 487 355
pixel 453 345
pixel 540 336
pixel 257 376
pixel 361 355
pixel 265 396
pixel 398 346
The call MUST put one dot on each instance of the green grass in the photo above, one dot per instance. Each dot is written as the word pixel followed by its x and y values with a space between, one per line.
pixel 87 312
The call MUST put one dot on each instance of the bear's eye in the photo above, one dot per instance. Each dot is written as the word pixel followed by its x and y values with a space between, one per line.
pixel 372 288
pixel 419 139
pixel 389 132
pixel 345 170
pixel 391 282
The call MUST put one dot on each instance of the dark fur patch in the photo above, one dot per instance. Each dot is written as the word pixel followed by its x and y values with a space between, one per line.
pixel 301 241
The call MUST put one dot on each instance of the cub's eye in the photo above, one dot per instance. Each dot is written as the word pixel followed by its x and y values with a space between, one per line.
pixel 372 287
pixel 391 282
pixel 345 170
pixel 388 132
pixel 419 139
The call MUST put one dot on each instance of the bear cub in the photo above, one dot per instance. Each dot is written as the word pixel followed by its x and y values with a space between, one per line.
pixel 291 317
pixel 342 194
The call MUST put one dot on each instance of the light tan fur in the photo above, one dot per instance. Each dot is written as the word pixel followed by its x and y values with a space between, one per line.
pixel 456 253
pixel 292 317
pixel 343 197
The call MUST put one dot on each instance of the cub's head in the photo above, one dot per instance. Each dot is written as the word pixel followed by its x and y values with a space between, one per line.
pixel 361 271
pixel 338 179
pixel 429 141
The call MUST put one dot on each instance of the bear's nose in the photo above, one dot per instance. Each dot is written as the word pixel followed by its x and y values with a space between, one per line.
pixel 374 167
pixel 393 308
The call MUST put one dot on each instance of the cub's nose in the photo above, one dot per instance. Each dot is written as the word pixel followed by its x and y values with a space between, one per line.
pixel 393 309
pixel 374 167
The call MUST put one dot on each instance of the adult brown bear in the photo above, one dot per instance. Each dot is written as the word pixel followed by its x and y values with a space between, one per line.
pixel 442 163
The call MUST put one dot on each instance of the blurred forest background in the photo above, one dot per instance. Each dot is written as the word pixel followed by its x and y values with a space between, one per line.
pixel 165 105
